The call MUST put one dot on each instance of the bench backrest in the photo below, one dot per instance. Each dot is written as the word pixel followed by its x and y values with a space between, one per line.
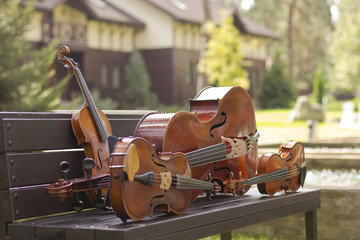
pixel 31 147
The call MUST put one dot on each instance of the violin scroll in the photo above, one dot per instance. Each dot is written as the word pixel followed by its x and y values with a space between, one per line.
pixel 69 63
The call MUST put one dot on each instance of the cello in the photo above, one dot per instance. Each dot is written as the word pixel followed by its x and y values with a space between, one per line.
pixel 90 125
pixel 282 171
pixel 143 181
pixel 215 112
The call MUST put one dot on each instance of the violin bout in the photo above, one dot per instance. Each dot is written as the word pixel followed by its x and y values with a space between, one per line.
pixel 283 171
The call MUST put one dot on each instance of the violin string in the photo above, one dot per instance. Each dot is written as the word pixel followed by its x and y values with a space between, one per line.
pixel 271 177
pixel 217 148
pixel 186 182
pixel 213 153
pixel 208 158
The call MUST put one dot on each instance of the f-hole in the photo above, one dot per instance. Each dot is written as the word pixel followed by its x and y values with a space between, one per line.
pixel 98 152
pixel 218 124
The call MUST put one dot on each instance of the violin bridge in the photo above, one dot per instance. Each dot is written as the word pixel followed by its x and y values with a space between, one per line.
pixel 238 147
pixel 166 180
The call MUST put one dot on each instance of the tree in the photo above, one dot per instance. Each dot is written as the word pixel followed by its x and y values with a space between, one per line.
pixel 319 86
pixel 277 91
pixel 25 74
pixel 223 60
pixel 138 93
pixel 344 72
pixel 304 28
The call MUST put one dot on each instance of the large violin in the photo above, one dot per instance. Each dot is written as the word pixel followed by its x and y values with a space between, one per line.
pixel 143 181
pixel 90 125
pixel 282 171
pixel 215 112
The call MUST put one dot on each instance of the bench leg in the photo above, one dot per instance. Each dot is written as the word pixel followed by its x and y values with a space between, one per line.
pixel 225 236
pixel 311 225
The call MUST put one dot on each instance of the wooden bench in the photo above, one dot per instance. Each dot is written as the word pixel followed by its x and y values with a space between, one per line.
pixel 33 144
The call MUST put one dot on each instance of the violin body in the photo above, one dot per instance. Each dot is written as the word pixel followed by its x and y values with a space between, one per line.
pixel 290 155
pixel 131 198
pixel 87 136
pixel 214 113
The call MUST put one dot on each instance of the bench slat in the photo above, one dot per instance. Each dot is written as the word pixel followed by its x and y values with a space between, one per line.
pixel 34 134
pixel 33 201
pixel 24 169
pixel 202 219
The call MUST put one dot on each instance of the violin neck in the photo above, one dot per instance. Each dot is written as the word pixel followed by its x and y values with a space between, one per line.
pixel 267 177
pixel 176 181
pixel 202 156
pixel 91 105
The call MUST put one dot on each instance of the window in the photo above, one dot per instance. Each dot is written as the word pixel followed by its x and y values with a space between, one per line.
pixel 116 77
pixel 104 76
pixel 189 73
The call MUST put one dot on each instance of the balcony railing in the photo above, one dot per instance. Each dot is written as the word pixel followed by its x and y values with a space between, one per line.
pixel 64 31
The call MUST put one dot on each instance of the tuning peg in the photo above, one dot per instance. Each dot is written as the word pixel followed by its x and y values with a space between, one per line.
pixel 88 165
pixel 64 168
pixel 78 205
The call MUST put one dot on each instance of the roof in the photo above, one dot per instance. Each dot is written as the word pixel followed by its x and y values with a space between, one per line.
pixel 251 27
pixel 96 9
pixel 193 11
pixel 180 10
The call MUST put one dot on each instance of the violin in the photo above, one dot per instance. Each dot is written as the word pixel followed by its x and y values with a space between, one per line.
pixel 215 112
pixel 90 125
pixel 282 171
pixel 143 181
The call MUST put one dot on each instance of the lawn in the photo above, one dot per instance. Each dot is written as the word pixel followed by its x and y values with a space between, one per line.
pixel 275 127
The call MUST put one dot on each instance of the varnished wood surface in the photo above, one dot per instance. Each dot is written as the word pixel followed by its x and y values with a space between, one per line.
pixel 203 218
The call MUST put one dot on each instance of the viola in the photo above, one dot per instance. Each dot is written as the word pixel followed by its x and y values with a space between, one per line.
pixel 143 181
pixel 215 112
pixel 90 125
pixel 282 171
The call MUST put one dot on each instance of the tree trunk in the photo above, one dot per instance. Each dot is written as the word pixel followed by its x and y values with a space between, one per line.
pixel 290 41
pixel 201 79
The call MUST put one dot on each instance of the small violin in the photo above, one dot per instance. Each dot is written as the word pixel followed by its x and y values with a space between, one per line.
pixel 90 125
pixel 282 171
pixel 142 181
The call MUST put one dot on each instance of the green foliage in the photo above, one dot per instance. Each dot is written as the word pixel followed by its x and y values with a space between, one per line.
pixel 344 73
pixel 103 103
pixel 138 94
pixel 25 74
pixel 223 60
pixel 311 28
pixel 318 86
pixel 277 91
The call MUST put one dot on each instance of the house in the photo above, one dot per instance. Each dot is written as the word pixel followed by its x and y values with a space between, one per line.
pixel 103 33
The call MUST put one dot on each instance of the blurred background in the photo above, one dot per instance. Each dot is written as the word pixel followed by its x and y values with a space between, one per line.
pixel 298 60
